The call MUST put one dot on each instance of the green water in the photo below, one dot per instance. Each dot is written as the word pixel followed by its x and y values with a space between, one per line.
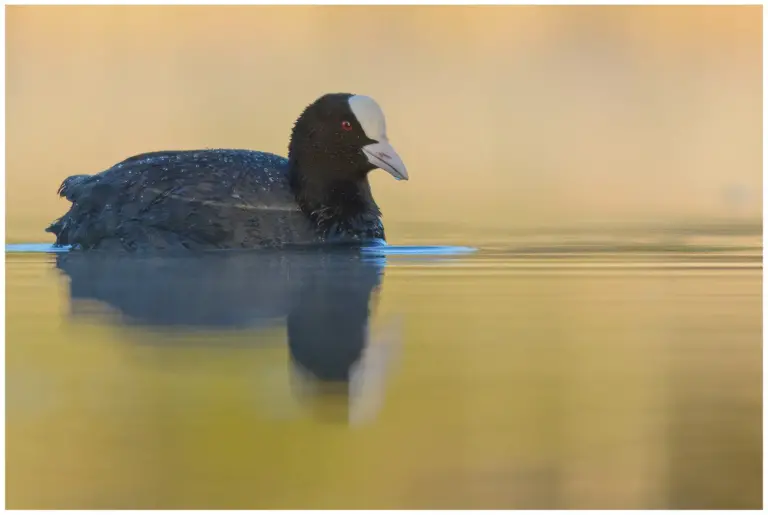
pixel 551 372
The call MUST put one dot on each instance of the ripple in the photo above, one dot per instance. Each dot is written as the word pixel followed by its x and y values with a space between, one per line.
pixel 376 250
pixel 34 248
pixel 422 250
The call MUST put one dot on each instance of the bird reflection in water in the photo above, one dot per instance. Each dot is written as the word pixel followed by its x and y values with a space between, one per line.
pixel 323 297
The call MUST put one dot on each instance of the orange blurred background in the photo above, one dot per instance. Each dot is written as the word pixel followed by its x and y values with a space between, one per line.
pixel 506 116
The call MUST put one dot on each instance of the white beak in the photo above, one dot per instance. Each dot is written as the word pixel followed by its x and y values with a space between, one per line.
pixel 382 155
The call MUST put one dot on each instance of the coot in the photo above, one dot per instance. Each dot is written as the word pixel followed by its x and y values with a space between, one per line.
pixel 241 199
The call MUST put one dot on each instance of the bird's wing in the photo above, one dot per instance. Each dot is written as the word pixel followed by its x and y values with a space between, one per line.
pixel 207 198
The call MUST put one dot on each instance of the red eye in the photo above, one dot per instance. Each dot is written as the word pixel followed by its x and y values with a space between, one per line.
pixel 346 125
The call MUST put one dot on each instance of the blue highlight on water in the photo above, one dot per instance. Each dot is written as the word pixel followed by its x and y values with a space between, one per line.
pixel 377 249
pixel 417 250
pixel 33 248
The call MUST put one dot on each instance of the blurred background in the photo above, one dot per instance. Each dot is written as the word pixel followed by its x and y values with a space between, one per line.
pixel 557 367
pixel 506 116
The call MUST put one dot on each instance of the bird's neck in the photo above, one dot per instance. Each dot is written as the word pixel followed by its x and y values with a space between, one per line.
pixel 334 203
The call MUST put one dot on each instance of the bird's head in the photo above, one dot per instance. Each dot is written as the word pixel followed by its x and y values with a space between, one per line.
pixel 344 135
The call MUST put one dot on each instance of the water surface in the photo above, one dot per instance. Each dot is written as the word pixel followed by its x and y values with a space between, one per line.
pixel 559 372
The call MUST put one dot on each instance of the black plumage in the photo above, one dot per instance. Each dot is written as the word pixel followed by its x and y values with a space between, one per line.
pixel 238 199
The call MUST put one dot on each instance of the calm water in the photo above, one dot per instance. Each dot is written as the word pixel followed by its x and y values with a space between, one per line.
pixel 564 371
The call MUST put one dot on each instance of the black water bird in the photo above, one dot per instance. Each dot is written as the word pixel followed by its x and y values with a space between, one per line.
pixel 241 199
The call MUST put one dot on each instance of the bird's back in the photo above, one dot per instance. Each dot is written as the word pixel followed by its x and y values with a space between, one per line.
pixel 190 199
